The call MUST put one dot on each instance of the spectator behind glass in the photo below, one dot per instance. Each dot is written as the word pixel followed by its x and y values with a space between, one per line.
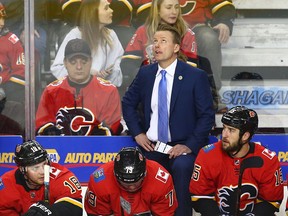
pixel 131 185
pixel 106 48
pixel 214 182
pixel 15 22
pixel 189 106
pixel 139 50
pixel 81 103
pixel 12 72
pixel 22 189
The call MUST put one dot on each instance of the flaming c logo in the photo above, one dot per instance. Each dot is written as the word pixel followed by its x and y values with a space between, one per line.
pixel 76 121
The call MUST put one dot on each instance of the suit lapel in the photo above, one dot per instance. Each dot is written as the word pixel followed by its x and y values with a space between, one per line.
pixel 151 75
pixel 177 84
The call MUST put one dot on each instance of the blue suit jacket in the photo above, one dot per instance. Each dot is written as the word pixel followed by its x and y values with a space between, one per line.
pixel 191 109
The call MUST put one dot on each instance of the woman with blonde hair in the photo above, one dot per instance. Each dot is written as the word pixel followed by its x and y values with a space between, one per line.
pixel 107 51
pixel 163 11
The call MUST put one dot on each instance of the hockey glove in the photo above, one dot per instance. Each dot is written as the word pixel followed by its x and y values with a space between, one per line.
pixel 51 131
pixel 40 209
pixel 101 130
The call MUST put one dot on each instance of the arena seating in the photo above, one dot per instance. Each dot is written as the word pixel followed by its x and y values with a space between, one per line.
pixel 259 41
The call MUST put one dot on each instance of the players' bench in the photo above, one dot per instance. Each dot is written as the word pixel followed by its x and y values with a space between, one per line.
pixel 257 42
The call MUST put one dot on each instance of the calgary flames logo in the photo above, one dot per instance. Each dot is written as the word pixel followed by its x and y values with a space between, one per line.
pixel 228 196
pixel 76 121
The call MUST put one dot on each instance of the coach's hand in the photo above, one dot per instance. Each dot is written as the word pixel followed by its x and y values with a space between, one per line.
pixel 143 141
pixel 40 209
pixel 178 150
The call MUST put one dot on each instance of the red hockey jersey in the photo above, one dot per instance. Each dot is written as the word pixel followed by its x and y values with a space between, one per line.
pixel 203 11
pixel 105 197
pixel 216 175
pixel 12 65
pixel 78 113
pixel 16 198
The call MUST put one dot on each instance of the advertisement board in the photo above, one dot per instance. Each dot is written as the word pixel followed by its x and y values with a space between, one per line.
pixel 82 155
pixel 268 96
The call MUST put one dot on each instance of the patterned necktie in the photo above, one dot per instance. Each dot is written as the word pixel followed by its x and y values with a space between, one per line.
pixel 162 109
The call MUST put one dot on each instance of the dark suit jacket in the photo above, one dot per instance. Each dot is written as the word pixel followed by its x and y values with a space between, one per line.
pixel 191 109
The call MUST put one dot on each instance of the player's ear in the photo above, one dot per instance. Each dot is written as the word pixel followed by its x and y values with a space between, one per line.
pixel 22 169
pixel 246 136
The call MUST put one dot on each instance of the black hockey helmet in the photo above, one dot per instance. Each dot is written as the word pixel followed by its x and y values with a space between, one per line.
pixel 242 118
pixel 129 165
pixel 2 10
pixel 29 153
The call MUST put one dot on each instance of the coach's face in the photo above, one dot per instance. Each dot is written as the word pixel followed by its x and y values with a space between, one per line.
pixel 78 68
pixel 164 48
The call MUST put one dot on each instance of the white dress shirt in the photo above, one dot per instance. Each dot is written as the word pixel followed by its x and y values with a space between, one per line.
pixel 152 132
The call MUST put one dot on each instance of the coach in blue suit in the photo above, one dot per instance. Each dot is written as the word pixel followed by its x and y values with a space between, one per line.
pixel 191 114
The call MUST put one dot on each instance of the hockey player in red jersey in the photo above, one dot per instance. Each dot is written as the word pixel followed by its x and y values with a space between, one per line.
pixel 131 185
pixel 219 166
pixel 22 189
pixel 79 104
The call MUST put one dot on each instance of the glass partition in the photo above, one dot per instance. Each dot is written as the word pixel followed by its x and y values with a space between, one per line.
pixel 254 66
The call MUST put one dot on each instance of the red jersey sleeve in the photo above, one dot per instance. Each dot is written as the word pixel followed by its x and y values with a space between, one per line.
pixel 97 199
pixel 202 180
pixel 161 187
pixel 203 11
pixel 271 185
pixel 189 48
pixel 136 46
pixel 12 65
pixel 11 203
pixel 112 113
pixel 64 186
